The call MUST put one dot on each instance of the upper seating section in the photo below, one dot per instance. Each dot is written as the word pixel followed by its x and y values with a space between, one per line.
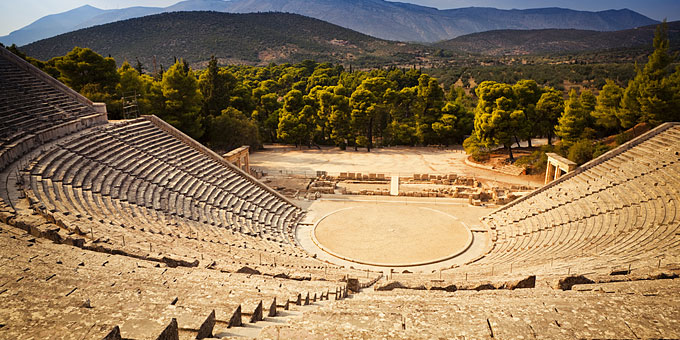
pixel 136 163
pixel 36 108
pixel 623 207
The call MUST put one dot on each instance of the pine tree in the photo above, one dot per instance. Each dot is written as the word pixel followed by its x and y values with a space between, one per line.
pixel 608 104
pixel 649 96
pixel 495 118
pixel 548 110
pixel 573 121
pixel 182 100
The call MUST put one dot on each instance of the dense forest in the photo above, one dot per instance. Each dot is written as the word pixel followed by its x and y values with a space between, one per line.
pixel 312 103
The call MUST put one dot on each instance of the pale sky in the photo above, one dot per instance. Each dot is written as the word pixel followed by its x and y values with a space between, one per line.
pixel 15 14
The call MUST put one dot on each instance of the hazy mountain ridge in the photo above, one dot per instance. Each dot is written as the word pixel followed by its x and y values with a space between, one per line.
pixel 256 38
pixel 378 18
pixel 554 41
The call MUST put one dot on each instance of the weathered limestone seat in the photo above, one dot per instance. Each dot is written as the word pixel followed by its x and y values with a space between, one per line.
pixel 621 207
pixel 90 292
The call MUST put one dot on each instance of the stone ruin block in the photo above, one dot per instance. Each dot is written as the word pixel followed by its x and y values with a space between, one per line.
pixel 343 175
pixel 235 320
pixel 416 177
pixel 358 176
pixel 206 329
pixel 353 285
pixel 380 176
pixel 171 332
pixel 272 309
pixel 366 178
pixel 114 334
pixel 257 314
pixel 350 175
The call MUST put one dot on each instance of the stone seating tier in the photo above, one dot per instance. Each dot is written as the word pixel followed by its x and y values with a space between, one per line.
pixel 622 208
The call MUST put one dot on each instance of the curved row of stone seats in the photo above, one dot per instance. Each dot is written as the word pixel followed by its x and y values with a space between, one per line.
pixel 59 291
pixel 36 108
pixel 113 188
pixel 130 162
pixel 106 222
pixel 641 309
pixel 621 207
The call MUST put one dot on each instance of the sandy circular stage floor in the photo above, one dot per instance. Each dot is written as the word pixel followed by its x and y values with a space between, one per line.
pixel 392 235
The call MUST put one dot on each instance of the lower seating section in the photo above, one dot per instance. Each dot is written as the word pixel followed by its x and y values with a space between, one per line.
pixel 628 310
pixel 49 290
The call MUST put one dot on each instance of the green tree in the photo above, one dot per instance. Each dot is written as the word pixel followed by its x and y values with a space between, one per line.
pixel 402 128
pixel 369 107
pixel 608 104
pixel 573 121
pixel 454 123
pixel 132 85
pixel 232 129
pixel 83 66
pixel 649 96
pixel 581 151
pixel 495 123
pixel 548 110
pixel 528 94
pixel 182 100
pixel 363 104
pixel 294 119
pixel 428 110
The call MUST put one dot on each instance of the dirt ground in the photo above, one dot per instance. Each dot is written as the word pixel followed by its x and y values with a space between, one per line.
pixel 404 161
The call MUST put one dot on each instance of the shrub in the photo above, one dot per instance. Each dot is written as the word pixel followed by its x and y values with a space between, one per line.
pixel 581 152
pixel 622 137
pixel 600 149
pixel 536 162
pixel 474 148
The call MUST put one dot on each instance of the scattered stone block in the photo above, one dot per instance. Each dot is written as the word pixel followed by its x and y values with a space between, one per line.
pixel 257 314
pixel 353 285
pixel 569 281
pixel 171 332
pixel 529 282
pixel 235 320
pixel 205 331
pixel 114 334
pixel 391 286
pixel 485 286
pixel 272 309
pixel 248 270
pixel 450 288
pixel 173 263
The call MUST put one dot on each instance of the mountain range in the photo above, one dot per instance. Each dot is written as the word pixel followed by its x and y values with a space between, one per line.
pixel 378 18
pixel 556 41
pixel 253 38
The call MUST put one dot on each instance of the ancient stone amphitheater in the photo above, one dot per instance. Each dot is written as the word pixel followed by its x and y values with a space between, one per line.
pixel 131 230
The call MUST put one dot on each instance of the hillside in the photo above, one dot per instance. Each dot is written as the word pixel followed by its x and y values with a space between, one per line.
pixel 555 41
pixel 408 22
pixel 233 38
pixel 378 18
